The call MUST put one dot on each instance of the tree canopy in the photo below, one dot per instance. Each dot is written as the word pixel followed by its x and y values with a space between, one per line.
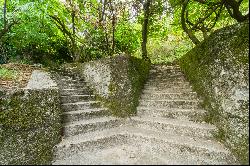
pixel 55 31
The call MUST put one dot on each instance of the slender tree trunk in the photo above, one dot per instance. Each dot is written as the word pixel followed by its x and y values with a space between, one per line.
pixel 184 26
pixel 113 30
pixel 4 14
pixel 236 14
pixel 146 6
pixel 74 45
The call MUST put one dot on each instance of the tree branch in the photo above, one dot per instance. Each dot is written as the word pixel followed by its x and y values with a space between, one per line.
pixel 184 26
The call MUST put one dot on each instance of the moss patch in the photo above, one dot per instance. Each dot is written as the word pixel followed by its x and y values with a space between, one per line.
pixel 218 69
pixel 117 81
pixel 30 126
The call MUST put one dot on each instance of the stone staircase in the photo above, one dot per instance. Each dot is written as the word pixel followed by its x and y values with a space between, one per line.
pixel 168 128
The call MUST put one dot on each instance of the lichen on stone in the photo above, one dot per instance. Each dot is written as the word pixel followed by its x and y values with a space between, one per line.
pixel 30 125
pixel 219 72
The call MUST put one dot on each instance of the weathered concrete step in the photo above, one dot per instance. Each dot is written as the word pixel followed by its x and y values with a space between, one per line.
pixel 73 77
pixel 75 91
pixel 175 126
pixel 166 76
pixel 166 80
pixel 168 85
pixel 185 104
pixel 76 98
pixel 168 89
pixel 166 72
pixel 174 113
pixel 129 154
pixel 84 114
pixel 80 105
pixel 160 142
pixel 73 81
pixel 150 142
pixel 73 86
pixel 160 95
pixel 84 126
pixel 165 68
pixel 88 142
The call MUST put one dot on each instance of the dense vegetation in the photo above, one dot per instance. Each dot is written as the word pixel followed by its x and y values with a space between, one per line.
pixel 56 31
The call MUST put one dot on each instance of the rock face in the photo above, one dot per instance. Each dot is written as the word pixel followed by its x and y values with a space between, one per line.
pixel 218 69
pixel 116 81
pixel 30 123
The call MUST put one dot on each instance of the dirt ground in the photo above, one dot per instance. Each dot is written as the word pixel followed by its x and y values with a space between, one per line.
pixel 23 71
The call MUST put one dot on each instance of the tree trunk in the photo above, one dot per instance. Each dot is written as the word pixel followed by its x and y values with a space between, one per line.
pixel 184 26
pixel 146 6
pixel 4 14
pixel 113 30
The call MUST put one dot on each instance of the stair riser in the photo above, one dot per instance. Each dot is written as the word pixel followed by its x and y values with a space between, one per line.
pixel 75 107
pixel 75 92
pixel 170 89
pixel 174 129
pixel 73 86
pixel 63 152
pixel 166 76
pixel 84 128
pixel 167 90
pixel 166 85
pixel 165 80
pixel 170 104
pixel 161 146
pixel 184 96
pixel 72 83
pixel 164 70
pixel 73 99
pixel 192 116
pixel 86 115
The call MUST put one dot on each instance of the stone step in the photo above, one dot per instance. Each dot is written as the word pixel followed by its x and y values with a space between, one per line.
pixel 73 85
pixel 169 71
pixel 88 142
pixel 196 115
pixel 185 104
pixel 84 126
pixel 168 85
pixel 72 81
pixel 167 68
pixel 166 80
pixel 80 105
pixel 168 89
pixel 166 75
pixel 157 95
pixel 75 91
pixel 176 145
pixel 84 114
pixel 175 126
pixel 147 142
pixel 76 98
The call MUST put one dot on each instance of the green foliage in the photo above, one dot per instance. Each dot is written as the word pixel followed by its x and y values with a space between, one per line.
pixel 37 38
pixel 128 37
pixel 7 73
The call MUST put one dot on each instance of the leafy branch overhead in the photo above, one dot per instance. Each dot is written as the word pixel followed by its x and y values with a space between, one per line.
pixel 57 31
pixel 206 18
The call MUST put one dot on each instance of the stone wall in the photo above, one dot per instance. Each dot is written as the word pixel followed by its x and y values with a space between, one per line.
pixel 218 68
pixel 30 123
pixel 116 81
